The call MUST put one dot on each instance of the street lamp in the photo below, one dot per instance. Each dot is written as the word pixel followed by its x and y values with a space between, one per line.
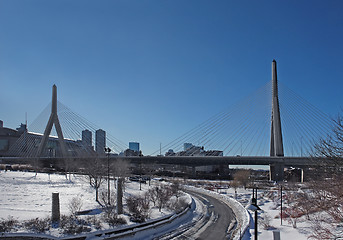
pixel 253 207
pixel 281 204
pixel 108 150
pixel 140 174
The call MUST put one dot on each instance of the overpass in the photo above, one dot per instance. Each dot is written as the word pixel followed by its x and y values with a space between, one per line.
pixel 192 161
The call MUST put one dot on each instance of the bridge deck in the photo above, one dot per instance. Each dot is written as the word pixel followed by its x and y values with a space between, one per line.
pixel 196 160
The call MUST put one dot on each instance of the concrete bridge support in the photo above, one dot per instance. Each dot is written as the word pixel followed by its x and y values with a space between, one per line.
pixel 53 120
pixel 276 144
pixel 276 172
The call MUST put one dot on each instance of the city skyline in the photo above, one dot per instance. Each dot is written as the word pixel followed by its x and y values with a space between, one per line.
pixel 149 71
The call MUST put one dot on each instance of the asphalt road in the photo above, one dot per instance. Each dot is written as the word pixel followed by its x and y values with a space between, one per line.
pixel 223 217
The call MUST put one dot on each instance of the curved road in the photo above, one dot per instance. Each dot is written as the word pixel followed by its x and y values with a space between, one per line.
pixel 223 218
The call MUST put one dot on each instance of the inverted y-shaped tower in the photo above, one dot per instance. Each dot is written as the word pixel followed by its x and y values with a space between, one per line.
pixel 53 120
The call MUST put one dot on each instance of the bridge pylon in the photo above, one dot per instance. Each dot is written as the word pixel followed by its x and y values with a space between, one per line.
pixel 53 120
pixel 276 144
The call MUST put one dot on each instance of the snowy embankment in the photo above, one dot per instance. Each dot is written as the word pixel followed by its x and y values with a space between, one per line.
pixel 28 196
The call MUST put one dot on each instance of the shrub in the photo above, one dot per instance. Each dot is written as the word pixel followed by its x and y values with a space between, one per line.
pixel 265 221
pixel 111 217
pixel 138 207
pixel 37 225
pixel 93 220
pixel 114 220
pixel 177 205
pixel 72 225
pixel 75 205
pixel 8 225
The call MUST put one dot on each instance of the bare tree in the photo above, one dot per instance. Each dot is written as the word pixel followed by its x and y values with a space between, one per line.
pixel 327 200
pixel 235 184
pixel 162 193
pixel 292 211
pixel 242 177
pixel 152 195
pixel 331 147
pixel 327 193
pixel 176 189
pixel 95 173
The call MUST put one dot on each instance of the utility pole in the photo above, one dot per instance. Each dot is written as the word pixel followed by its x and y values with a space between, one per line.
pixel 108 150
pixel 281 205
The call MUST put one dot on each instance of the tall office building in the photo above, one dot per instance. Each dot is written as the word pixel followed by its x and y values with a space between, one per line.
pixel 87 138
pixel 100 141
pixel 134 146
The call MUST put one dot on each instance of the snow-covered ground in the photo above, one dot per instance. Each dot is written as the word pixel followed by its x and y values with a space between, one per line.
pixel 25 195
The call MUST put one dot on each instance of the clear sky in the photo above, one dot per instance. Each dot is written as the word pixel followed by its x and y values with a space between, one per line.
pixel 149 71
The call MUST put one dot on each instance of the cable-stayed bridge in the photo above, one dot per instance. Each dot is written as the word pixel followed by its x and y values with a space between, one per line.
pixel 273 126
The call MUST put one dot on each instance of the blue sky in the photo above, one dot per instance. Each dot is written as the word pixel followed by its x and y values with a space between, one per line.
pixel 149 71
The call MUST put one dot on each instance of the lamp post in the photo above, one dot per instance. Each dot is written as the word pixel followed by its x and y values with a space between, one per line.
pixel 281 204
pixel 108 150
pixel 140 174
pixel 254 207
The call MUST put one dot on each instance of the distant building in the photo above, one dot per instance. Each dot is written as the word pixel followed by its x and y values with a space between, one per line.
pixel 7 138
pixel 170 153
pixel 22 128
pixel 87 138
pixel 187 146
pixel 130 153
pixel 134 146
pixel 191 150
pixel 100 141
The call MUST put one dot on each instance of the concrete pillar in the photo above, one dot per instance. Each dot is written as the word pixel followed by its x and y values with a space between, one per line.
pixel 276 143
pixel 120 195
pixel 302 176
pixel 194 173
pixel 276 235
pixel 276 172
pixel 271 172
pixel 55 213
